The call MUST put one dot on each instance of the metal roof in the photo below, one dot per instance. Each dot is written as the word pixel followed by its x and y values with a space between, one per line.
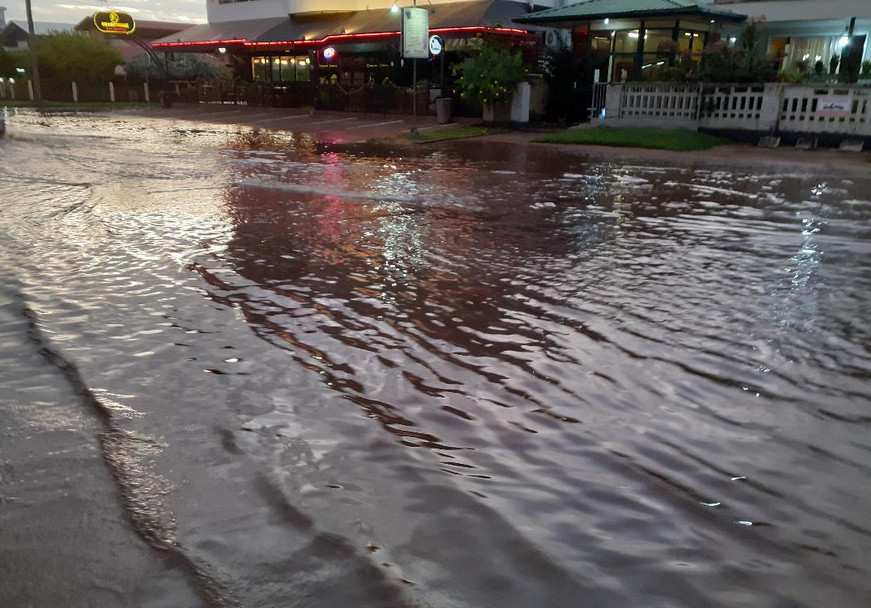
pixel 313 26
pixel 249 29
pixel 599 9
pixel 318 26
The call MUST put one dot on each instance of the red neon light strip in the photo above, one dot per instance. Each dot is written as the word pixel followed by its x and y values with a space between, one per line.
pixel 200 43
pixel 337 37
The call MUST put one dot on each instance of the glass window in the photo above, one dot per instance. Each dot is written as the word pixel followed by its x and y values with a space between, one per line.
pixel 259 69
pixel 658 41
pixel 303 73
pixel 623 67
pixel 651 62
pixel 626 42
pixel 691 41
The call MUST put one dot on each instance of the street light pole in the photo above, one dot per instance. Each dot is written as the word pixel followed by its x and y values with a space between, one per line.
pixel 413 80
pixel 34 62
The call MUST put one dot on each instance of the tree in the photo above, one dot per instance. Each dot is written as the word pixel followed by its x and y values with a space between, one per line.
pixel 561 71
pixel 185 66
pixel 8 63
pixel 490 77
pixel 75 56
pixel 747 61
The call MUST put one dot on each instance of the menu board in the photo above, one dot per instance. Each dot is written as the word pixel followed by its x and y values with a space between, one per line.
pixel 415 33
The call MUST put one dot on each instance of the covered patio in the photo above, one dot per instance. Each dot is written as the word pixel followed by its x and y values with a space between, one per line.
pixel 619 40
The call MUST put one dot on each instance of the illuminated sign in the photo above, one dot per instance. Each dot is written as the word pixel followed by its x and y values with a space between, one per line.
pixel 329 53
pixel 112 22
pixel 415 33
pixel 436 45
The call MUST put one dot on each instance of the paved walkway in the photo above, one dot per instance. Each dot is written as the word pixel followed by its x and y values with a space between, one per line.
pixel 345 126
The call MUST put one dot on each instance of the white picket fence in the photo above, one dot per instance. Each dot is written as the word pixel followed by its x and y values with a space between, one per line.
pixel 774 107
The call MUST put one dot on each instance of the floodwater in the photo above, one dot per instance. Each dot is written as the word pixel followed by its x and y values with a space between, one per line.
pixel 250 369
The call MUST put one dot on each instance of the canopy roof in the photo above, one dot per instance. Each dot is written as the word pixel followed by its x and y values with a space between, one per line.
pixel 639 9
pixel 320 28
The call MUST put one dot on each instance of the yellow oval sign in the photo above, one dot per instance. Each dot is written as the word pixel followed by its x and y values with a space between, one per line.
pixel 113 22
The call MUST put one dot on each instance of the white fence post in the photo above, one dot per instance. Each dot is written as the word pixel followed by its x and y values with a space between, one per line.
pixel 613 98
pixel 772 101
pixel 75 92
pixel 112 92
pixel 147 95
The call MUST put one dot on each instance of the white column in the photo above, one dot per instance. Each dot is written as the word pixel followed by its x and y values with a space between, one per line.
pixel 112 92
pixel 613 100
pixel 147 95
pixel 772 102
pixel 75 92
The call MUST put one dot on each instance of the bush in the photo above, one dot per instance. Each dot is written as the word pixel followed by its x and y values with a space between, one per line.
pixel 747 61
pixel 73 56
pixel 185 66
pixel 8 63
pixel 490 77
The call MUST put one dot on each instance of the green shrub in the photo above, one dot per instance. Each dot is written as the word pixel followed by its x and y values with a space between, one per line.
pixel 490 77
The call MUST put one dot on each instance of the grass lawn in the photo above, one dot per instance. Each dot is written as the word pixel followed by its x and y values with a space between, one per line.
pixel 82 105
pixel 453 133
pixel 658 139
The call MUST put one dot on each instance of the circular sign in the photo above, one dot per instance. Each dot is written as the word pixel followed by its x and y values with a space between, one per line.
pixel 329 53
pixel 436 46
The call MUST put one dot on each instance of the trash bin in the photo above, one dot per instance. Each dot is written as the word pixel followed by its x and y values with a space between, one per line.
pixel 443 110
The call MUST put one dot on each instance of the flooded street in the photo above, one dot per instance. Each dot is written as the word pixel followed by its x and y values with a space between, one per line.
pixel 250 369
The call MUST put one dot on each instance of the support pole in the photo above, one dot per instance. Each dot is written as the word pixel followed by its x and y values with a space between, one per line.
pixel 75 88
pixel 112 92
pixel 34 61
pixel 414 80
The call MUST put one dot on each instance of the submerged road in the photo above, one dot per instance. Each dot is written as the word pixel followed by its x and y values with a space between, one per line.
pixel 241 367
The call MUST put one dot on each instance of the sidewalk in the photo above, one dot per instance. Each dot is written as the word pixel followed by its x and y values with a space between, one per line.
pixel 336 126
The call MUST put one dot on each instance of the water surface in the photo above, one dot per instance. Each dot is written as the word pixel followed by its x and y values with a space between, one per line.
pixel 323 375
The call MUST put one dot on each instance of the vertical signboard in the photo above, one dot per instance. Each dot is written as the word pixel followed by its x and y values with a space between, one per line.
pixel 415 33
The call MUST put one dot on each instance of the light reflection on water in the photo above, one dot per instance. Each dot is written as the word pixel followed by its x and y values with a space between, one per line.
pixel 463 376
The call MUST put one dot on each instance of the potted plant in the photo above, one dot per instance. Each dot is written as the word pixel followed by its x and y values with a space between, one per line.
pixel 490 78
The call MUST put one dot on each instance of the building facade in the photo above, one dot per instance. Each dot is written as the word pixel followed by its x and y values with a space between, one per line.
pixel 332 52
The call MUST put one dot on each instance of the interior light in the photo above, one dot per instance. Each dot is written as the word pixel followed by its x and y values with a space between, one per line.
pixel 394 9
pixel 633 34
pixel 293 59
pixel 222 50
pixel 307 60
pixel 607 21
pixel 2 80
pixel 712 20
pixel 844 41
pixel 817 58
pixel 11 81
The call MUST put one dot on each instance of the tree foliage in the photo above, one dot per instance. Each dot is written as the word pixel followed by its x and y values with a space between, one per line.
pixel 490 77
pixel 747 61
pixel 7 64
pixel 561 71
pixel 185 66
pixel 73 56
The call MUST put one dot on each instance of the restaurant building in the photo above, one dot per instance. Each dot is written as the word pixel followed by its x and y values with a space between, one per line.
pixel 332 52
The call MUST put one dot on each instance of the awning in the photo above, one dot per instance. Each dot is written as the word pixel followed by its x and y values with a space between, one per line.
pixel 301 30
pixel 213 35
pixel 627 9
